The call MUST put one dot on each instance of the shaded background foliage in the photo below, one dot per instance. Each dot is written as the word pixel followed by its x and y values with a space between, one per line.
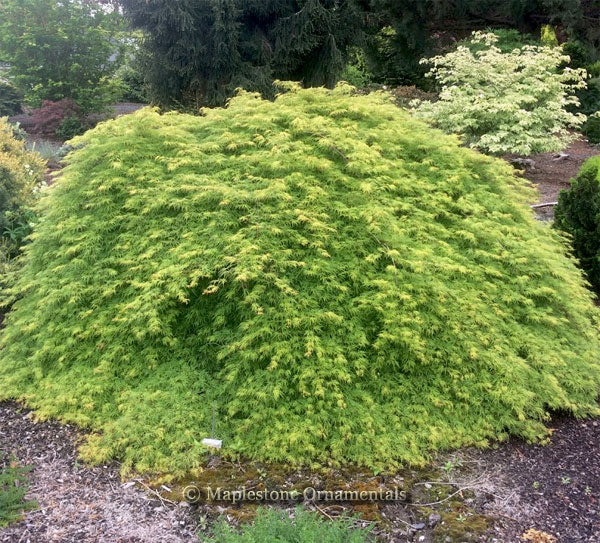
pixel 57 50
pixel 414 29
pixel 197 52
pixel 578 213
pixel 200 51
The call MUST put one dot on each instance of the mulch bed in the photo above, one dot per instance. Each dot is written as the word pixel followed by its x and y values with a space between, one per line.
pixel 553 488
pixel 551 172
pixel 78 504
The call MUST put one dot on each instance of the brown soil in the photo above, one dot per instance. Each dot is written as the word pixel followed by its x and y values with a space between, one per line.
pixel 552 174
pixel 78 504
pixel 553 488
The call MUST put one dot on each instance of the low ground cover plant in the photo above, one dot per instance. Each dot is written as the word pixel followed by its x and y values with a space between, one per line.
pixel 502 102
pixel 336 281
pixel 303 527
pixel 13 488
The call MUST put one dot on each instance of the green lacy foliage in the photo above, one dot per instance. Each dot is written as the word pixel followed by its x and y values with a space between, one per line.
pixel 61 49
pixel 272 526
pixel 342 282
pixel 578 213
pixel 13 487
pixel 505 102
pixel 10 99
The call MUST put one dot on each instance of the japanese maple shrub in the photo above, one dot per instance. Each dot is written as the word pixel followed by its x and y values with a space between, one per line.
pixel 341 282
pixel 52 118
pixel 505 101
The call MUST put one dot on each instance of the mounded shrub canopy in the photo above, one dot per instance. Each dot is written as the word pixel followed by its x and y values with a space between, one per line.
pixel 338 281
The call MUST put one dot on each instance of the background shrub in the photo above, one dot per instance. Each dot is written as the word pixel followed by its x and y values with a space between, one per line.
pixel 273 526
pixel 577 52
pixel 506 39
pixel 344 284
pixel 70 127
pixel 357 70
pixel 57 119
pixel 578 213
pixel 594 69
pixel 589 98
pixel 21 172
pixel 10 99
pixel 505 102
pixel 591 128
pixel 132 84
pixel 62 49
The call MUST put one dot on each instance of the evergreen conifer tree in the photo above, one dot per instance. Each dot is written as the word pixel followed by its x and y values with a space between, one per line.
pixel 200 51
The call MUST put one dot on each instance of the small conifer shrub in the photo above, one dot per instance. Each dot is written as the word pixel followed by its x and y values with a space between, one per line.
pixel 13 488
pixel 591 128
pixel 10 99
pixel 578 213
pixel 341 282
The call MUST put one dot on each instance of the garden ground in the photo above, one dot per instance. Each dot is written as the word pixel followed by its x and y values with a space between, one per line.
pixel 495 495
pixel 552 172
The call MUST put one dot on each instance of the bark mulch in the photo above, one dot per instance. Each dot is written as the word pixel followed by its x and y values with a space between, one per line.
pixel 78 504
pixel 552 172
pixel 553 488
